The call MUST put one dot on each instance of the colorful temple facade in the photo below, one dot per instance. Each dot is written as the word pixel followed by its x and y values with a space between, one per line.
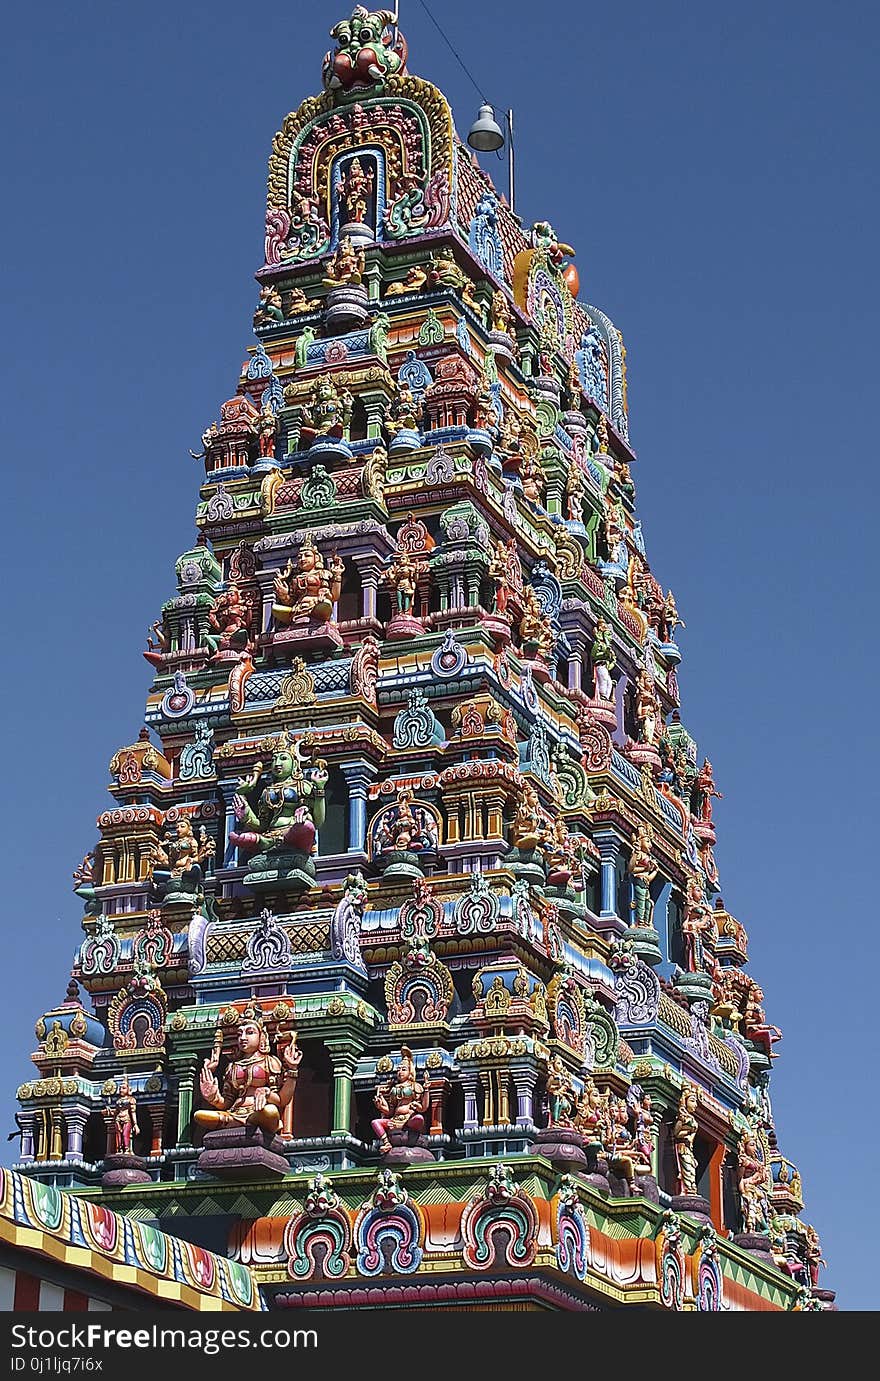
pixel 405 977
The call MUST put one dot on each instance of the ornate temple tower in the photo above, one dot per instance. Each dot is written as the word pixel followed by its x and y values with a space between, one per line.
pixel 404 962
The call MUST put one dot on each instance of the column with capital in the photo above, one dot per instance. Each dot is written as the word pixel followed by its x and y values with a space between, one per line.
pixel 608 845
pixel 358 776
pixel 56 1145
pixel 468 1078
pixel 186 1078
pixel 344 1055
pixel 228 789
pixel 76 1126
pixel 524 1079
pixel 25 1122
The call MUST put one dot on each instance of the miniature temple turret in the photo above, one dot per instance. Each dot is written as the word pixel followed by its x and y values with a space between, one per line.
pixel 414 770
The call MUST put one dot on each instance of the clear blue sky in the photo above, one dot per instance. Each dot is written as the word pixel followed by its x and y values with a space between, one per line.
pixel 715 168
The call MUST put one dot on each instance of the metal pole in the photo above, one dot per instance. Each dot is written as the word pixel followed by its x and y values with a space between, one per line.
pixel 510 161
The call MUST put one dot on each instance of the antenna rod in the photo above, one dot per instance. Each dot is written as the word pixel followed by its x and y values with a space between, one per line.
pixel 510 161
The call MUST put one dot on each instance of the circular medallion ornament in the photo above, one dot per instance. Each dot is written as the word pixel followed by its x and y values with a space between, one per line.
pixel 178 700
pixel 449 658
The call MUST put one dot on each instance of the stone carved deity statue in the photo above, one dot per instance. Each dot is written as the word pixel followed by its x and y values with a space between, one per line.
pixel 603 660
pixel 560 1094
pixel 309 589
pixel 646 708
pixel 354 188
pixel 753 1185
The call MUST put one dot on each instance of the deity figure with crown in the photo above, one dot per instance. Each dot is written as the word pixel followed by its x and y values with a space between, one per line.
pixel 402 578
pixel 305 594
pixel 327 413
pixel 229 619
pixel 538 637
pixel 402 1101
pixel 642 869
pixel 354 188
pixel 178 860
pixel 124 1120
pixel 257 1086
pixel 290 808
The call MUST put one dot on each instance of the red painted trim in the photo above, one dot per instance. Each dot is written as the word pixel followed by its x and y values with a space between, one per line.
pixel 27 1292
pixel 75 1300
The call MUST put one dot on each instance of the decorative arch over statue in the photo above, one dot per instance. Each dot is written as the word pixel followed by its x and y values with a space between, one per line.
pixel 541 291
pixel 408 129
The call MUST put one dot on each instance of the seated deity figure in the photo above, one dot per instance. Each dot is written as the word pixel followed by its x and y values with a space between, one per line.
pixel 308 590
pixel 328 411
pixel 290 809
pixel 529 827
pixel 755 1026
pixel 229 618
pixel 403 413
pixel 346 266
pixel 402 1102
pixel 177 861
pixel 535 628
pixel 592 1116
pixel 257 1086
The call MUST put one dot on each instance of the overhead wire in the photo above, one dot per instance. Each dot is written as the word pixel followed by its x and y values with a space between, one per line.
pixel 453 50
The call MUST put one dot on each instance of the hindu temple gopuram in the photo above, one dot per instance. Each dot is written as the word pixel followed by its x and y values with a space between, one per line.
pixel 404 975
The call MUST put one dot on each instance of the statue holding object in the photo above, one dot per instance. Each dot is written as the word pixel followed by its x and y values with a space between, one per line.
pixel 308 588
pixel 753 1186
pixel 684 1134
pixel 291 807
pixel 642 870
pixel 257 1086
pixel 402 1102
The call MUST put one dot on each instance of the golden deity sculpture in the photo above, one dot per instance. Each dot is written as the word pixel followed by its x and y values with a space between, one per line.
pixel 346 266
pixel 684 1133
pixel 535 628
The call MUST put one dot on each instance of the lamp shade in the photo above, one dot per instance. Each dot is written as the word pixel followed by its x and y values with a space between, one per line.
pixel 485 134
